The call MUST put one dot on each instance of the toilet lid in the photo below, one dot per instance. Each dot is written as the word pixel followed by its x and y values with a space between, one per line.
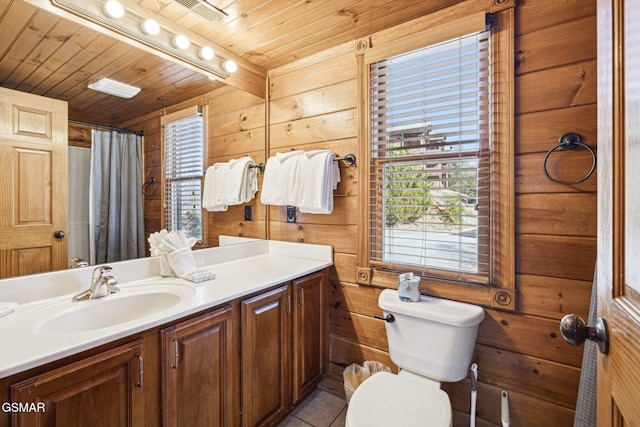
pixel 386 399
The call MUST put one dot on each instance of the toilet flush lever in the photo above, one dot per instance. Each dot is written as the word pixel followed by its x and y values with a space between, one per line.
pixel 389 318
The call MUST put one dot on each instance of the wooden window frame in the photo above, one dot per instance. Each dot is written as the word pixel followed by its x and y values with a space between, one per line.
pixel 437 27
pixel 171 117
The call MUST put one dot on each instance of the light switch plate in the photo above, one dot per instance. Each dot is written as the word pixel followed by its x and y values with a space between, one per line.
pixel 291 214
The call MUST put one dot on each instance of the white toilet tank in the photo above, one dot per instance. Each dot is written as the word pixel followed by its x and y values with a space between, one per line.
pixel 432 337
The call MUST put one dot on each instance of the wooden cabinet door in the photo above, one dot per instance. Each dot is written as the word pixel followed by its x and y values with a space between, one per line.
pixel 266 357
pixel 33 177
pixel 310 328
pixel 619 210
pixel 106 390
pixel 200 360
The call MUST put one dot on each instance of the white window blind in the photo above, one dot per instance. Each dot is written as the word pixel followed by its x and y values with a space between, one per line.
pixel 429 193
pixel 183 166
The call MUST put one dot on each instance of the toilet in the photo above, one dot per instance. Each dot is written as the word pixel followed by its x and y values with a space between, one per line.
pixel 431 341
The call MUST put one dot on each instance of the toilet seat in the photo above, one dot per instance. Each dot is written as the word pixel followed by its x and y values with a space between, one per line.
pixel 386 400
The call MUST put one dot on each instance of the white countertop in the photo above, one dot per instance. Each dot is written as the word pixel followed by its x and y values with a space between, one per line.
pixel 240 270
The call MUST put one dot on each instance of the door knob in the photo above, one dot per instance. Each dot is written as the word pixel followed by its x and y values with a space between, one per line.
pixel 58 234
pixel 575 332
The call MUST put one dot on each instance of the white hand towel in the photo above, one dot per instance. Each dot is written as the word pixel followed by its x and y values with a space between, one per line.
pixel 317 176
pixel 154 241
pixel 279 178
pixel 176 248
pixel 240 181
pixel 213 186
pixel 182 261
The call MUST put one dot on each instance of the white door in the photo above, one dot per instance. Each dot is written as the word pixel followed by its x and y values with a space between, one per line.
pixel 619 210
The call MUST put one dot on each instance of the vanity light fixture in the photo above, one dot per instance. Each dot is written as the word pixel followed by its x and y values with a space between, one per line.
pixel 181 42
pixel 206 53
pixel 129 19
pixel 113 9
pixel 230 66
pixel 150 27
pixel 114 87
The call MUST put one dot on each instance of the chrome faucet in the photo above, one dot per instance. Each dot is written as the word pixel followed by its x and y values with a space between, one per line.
pixel 101 285
pixel 79 263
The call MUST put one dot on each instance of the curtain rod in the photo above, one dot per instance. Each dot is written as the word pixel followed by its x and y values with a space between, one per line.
pixel 95 125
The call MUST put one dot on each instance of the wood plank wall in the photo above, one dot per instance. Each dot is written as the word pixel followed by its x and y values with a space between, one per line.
pixel 236 127
pixel 313 105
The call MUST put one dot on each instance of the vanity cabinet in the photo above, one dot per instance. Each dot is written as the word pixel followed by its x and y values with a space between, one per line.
pixel 310 333
pixel 266 357
pixel 284 348
pixel 200 381
pixel 105 390
pixel 246 362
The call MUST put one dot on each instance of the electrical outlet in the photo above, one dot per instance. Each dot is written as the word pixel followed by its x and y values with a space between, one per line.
pixel 248 215
pixel 291 214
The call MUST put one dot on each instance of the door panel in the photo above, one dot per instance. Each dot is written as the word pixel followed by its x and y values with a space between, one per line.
pixel 200 371
pixel 309 334
pixel 105 390
pixel 619 210
pixel 266 357
pixel 33 177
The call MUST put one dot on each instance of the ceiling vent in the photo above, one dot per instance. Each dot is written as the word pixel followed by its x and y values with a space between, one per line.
pixel 203 9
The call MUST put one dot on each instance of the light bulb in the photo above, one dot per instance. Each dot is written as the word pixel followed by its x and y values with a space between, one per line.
pixel 230 66
pixel 113 9
pixel 150 27
pixel 206 53
pixel 181 42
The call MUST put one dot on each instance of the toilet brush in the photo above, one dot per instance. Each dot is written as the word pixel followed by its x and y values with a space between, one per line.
pixel 504 408
pixel 474 394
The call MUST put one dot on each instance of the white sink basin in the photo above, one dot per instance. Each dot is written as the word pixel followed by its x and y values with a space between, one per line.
pixel 68 317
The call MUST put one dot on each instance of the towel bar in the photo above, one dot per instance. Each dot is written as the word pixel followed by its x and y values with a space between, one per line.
pixel 260 167
pixel 349 159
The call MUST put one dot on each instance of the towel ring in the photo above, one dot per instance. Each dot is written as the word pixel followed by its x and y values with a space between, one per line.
pixel 569 141
pixel 145 186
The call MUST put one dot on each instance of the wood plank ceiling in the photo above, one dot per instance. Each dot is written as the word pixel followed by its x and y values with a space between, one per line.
pixel 44 54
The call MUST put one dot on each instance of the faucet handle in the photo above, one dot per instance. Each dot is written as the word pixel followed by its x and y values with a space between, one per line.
pixel 98 272
pixel 111 284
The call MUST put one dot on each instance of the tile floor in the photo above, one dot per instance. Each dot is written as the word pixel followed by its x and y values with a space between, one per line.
pixel 320 409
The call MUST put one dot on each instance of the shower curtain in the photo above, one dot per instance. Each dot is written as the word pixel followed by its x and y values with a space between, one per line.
pixel 116 220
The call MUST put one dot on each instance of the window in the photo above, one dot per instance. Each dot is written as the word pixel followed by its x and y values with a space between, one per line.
pixel 430 160
pixel 183 171
pixel 437 127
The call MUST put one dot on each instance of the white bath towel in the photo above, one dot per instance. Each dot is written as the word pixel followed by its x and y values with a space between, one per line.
pixel 279 178
pixel 229 183
pixel 213 185
pixel 317 176
pixel 240 181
